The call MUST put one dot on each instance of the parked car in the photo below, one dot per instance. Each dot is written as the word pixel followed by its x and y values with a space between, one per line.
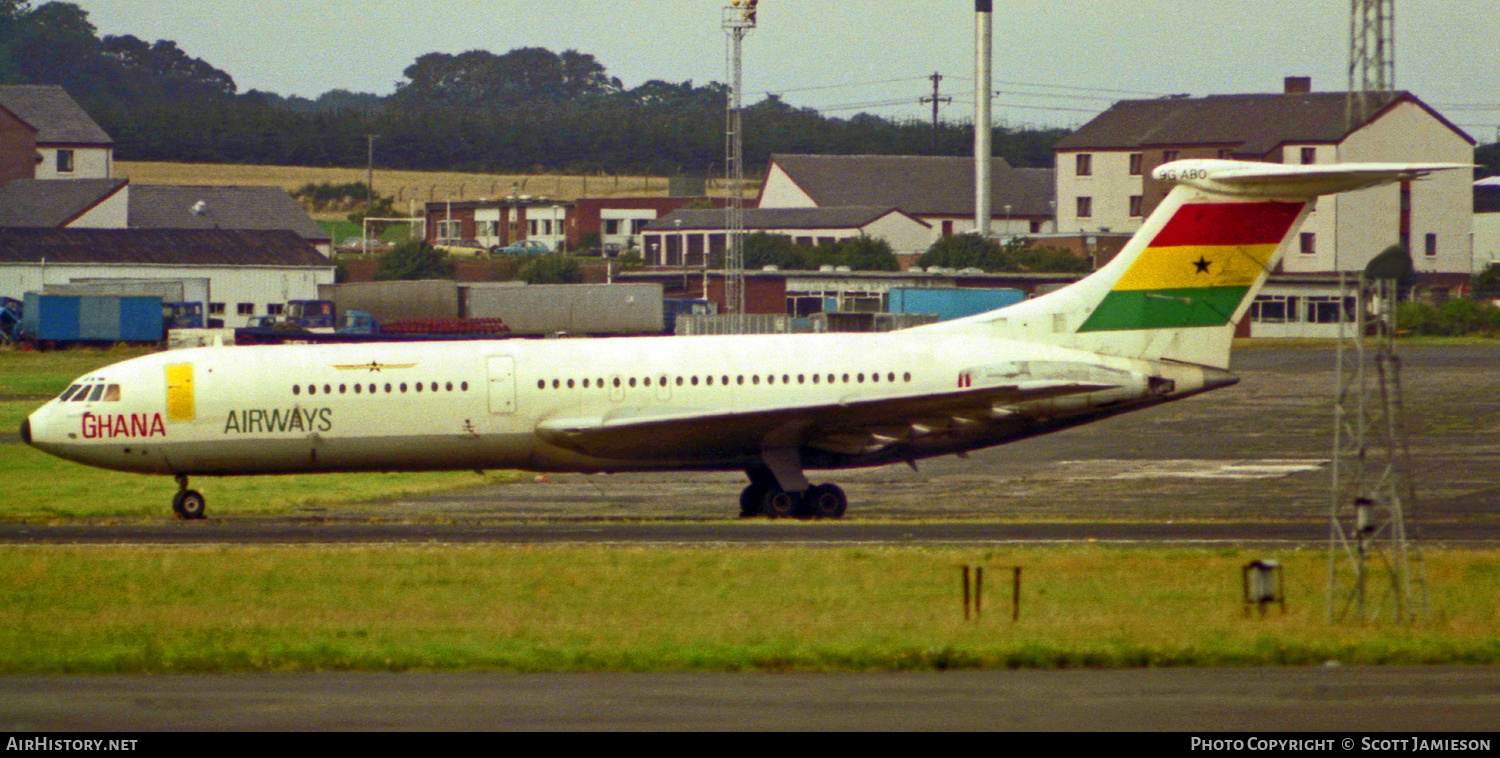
pixel 462 248
pixel 524 247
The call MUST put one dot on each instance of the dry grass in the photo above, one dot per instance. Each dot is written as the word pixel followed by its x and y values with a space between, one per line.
pixel 407 187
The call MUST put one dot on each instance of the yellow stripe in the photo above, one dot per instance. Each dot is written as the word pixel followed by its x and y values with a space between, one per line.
pixel 1178 267
pixel 180 406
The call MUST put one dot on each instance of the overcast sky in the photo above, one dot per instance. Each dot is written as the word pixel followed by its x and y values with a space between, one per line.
pixel 1057 63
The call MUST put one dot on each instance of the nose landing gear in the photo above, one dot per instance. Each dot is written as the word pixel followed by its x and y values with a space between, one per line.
pixel 187 504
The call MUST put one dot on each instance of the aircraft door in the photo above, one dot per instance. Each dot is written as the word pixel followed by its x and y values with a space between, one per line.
pixel 181 400
pixel 502 381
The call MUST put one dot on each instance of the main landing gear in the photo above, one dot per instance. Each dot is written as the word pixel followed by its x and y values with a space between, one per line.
pixel 187 504
pixel 765 496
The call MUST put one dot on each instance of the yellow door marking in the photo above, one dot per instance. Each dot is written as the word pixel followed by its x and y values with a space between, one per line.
pixel 180 406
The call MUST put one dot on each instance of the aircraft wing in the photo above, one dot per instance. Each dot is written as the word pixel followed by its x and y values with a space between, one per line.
pixel 853 426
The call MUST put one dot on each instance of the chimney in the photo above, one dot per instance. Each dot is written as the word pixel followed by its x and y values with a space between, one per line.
pixel 1297 85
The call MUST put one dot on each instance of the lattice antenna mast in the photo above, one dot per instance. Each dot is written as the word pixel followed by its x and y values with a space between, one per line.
pixel 1372 57
pixel 1374 566
pixel 738 21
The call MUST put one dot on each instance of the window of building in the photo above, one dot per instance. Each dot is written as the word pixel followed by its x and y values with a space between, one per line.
pixel 274 309
pixel 1167 156
pixel 1430 245
pixel 1309 243
pixel 1225 154
pixel 611 226
pixel 246 309
pixel 1085 207
pixel 1137 202
pixel 947 228
pixel 1137 161
pixel 215 309
pixel 64 161
pixel 1084 163
pixel 1309 155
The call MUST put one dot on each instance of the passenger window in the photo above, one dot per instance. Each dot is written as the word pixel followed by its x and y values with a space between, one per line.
pixel 67 393
pixel 342 388
pixel 417 386
pixel 387 388
pixel 296 389
pixel 312 389
pixel 570 384
pixel 327 389
pixel 450 386
pixel 465 386
pixel 403 386
pixel 357 388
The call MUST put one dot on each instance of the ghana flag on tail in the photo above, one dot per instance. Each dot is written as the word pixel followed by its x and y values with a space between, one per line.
pixel 1198 269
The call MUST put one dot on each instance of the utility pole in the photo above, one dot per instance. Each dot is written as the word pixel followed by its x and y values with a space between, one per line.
pixel 983 10
pixel 369 183
pixel 936 78
pixel 738 21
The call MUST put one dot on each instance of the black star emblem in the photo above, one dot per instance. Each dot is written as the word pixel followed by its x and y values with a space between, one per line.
pixel 1201 264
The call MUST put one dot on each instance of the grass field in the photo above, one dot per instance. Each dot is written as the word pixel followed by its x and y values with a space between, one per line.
pixel 389 608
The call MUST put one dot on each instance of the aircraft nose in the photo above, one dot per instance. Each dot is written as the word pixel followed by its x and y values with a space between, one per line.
pixel 26 431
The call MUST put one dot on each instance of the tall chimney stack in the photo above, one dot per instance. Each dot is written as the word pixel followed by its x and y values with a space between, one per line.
pixel 982 118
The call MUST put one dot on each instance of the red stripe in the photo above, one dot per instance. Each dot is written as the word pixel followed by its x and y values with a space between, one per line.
pixel 1228 224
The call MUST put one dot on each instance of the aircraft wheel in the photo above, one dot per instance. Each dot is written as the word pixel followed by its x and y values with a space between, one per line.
pixel 778 503
pixel 827 501
pixel 189 504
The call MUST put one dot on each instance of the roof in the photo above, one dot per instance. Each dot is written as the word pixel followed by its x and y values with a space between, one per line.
pixel 245 207
pixel 1249 124
pixel 57 118
pixel 52 202
pixel 171 247
pixel 845 217
pixel 919 185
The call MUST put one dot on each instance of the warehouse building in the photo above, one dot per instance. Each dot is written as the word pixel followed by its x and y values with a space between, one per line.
pixel 693 237
pixel 250 273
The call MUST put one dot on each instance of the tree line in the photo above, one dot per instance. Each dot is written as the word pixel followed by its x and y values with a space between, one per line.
pixel 523 110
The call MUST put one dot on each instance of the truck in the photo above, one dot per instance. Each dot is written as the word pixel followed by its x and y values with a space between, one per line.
pixel 61 320
pixel 360 326
pixel 184 300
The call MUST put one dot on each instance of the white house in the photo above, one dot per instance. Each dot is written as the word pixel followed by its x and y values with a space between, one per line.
pixel 1104 169
pixel 55 138
pixel 1486 223
pixel 939 191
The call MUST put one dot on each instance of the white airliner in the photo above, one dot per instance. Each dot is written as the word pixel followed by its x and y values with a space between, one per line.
pixel 1152 326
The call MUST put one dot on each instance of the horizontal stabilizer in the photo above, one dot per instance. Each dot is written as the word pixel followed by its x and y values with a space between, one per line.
pixel 1282 180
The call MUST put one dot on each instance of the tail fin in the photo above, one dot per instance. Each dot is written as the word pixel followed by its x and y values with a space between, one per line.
pixel 1187 277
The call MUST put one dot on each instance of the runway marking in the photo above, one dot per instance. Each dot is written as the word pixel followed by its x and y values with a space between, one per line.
pixel 1266 468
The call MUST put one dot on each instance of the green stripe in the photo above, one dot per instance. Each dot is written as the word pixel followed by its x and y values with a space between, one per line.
pixel 1165 309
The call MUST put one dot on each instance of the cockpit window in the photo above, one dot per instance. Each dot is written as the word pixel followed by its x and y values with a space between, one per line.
pixel 112 394
pixel 67 393
pixel 97 393
pixel 82 394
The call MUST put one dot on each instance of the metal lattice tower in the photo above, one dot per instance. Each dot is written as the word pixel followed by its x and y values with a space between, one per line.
pixel 1372 56
pixel 738 21
pixel 1374 566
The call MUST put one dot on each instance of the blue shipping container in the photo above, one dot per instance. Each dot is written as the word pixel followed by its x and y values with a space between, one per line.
pixel 89 318
pixel 951 302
